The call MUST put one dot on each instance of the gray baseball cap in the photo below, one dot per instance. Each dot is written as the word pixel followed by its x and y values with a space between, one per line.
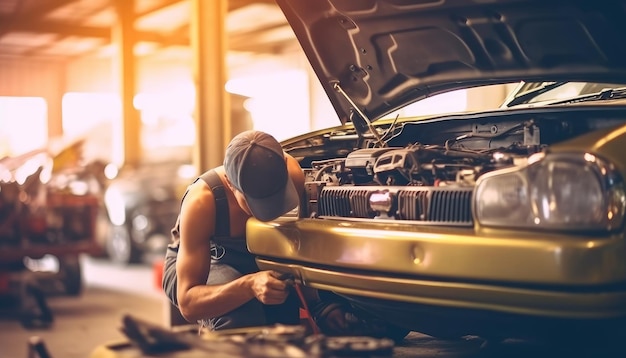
pixel 255 165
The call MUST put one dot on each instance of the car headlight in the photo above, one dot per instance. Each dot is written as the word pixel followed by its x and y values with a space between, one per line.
pixel 558 191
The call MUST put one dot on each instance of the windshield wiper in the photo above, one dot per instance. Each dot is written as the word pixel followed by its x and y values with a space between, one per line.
pixel 606 94
pixel 525 97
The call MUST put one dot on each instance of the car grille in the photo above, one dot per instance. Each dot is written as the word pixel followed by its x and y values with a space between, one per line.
pixel 428 205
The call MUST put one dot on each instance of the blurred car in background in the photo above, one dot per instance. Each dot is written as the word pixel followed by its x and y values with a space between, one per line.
pixel 142 201
pixel 141 205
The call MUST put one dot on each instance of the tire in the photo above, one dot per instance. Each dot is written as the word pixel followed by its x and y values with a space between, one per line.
pixel 120 247
pixel 155 247
pixel 71 275
pixel 103 228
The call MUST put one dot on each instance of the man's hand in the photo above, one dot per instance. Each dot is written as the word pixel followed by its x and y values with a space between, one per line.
pixel 340 319
pixel 331 317
pixel 334 320
pixel 269 288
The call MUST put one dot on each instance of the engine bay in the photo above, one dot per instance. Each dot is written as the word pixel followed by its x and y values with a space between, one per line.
pixel 448 152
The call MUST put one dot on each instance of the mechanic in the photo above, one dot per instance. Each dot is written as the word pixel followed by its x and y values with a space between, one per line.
pixel 209 274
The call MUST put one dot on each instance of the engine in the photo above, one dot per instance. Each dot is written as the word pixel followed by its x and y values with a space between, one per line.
pixel 415 165
pixel 422 183
pixel 426 171
pixel 425 183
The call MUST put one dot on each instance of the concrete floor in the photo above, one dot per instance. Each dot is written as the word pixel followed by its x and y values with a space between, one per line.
pixel 82 323
pixel 85 325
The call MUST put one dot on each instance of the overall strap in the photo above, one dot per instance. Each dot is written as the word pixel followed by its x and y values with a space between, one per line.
pixel 222 218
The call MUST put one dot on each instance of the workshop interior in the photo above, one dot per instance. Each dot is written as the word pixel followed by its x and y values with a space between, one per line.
pixel 463 170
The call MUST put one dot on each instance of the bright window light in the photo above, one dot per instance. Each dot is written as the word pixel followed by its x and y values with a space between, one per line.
pixel 95 117
pixel 82 112
pixel 278 101
pixel 167 116
pixel 450 102
pixel 23 124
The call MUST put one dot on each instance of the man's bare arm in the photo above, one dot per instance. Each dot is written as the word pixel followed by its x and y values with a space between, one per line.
pixel 196 299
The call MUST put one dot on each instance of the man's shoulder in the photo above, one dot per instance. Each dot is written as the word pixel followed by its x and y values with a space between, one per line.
pixel 198 193
pixel 201 187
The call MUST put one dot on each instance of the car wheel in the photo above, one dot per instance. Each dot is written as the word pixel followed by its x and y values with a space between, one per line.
pixel 71 275
pixel 120 247
pixel 102 227
pixel 155 247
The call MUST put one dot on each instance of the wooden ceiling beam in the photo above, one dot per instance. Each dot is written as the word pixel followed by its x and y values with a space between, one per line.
pixel 59 28
pixel 161 6
pixel 180 37
pixel 42 9
pixel 238 4
pixel 32 15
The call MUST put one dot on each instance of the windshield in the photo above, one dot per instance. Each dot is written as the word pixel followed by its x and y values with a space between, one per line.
pixel 537 92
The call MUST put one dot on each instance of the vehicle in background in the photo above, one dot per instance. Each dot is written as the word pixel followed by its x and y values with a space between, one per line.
pixel 141 206
pixel 48 208
pixel 143 200
pixel 501 223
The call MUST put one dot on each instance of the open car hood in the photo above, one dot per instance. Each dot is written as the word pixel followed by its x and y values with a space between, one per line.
pixel 375 56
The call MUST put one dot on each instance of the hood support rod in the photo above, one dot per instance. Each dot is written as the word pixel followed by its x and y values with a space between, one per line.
pixel 337 87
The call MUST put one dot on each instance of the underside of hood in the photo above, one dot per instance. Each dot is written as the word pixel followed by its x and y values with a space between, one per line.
pixel 375 56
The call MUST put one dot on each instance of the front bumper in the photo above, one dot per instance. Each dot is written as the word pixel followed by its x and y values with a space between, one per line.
pixel 574 277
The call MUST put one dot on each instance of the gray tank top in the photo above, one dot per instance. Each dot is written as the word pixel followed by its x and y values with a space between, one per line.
pixel 225 249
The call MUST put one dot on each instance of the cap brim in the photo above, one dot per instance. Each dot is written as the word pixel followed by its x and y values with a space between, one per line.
pixel 272 207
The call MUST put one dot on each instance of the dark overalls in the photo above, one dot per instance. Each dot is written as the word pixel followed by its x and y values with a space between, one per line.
pixel 230 259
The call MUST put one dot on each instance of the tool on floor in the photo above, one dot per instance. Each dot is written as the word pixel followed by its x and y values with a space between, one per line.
pixel 37 348
pixel 277 341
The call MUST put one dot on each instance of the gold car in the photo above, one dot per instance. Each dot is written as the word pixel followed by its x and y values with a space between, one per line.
pixel 500 223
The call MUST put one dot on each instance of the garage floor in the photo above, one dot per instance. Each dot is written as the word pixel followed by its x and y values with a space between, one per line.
pixel 85 324
pixel 82 323
pixel 88 322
